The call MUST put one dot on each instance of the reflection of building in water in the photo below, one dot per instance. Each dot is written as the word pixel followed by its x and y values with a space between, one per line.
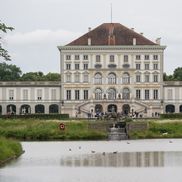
pixel 125 159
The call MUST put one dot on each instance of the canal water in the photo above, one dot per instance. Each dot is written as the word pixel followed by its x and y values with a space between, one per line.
pixel 97 161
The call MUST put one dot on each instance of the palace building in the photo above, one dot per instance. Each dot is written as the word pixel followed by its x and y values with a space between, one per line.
pixel 109 68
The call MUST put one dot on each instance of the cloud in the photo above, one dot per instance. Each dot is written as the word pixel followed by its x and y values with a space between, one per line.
pixel 41 36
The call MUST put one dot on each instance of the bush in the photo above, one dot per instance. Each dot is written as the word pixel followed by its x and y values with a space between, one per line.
pixel 36 116
pixel 171 116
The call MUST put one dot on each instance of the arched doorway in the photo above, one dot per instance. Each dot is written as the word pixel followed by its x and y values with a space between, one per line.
pixel 0 110
pixel 54 108
pixel 11 109
pixel 180 108
pixel 112 108
pixel 126 109
pixel 39 108
pixel 98 108
pixel 25 109
pixel 170 108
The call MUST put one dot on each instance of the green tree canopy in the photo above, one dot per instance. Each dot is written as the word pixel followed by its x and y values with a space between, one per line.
pixel 39 76
pixel 178 74
pixel 9 72
pixel 4 52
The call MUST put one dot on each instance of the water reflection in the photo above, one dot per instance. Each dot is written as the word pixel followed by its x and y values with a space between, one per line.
pixel 124 159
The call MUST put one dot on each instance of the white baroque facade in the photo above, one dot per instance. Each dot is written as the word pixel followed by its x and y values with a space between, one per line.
pixel 100 73
pixel 109 68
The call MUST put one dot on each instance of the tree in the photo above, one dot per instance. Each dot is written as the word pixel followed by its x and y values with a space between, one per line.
pixel 9 72
pixel 33 76
pixel 178 74
pixel 4 52
pixel 53 77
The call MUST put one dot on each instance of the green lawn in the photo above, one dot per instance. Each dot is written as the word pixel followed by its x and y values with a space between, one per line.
pixel 9 149
pixel 31 129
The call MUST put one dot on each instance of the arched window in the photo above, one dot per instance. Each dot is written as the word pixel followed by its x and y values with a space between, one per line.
pixel 126 93
pixel 98 78
pixel 39 108
pixel 126 78
pixel 54 108
pixel 111 78
pixel 98 94
pixel 111 94
pixel 170 108
pixel 11 109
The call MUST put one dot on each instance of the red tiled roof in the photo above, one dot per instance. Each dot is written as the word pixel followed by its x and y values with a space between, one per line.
pixel 111 34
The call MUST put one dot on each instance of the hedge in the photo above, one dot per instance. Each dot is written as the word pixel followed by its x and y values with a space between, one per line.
pixel 171 116
pixel 36 116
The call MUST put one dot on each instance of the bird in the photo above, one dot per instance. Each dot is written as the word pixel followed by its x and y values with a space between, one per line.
pixel 128 142
pixel 115 152
pixel 69 149
pixel 170 141
pixel 79 147
pixel 93 151
pixel 103 153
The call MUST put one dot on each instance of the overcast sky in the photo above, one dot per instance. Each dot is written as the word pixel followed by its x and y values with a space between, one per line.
pixel 42 25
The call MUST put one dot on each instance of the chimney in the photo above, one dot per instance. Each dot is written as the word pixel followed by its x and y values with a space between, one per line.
pixel 158 41
pixel 89 41
pixel 134 41
pixel 89 29
pixel 133 29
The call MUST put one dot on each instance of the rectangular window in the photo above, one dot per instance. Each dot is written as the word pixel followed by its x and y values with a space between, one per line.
pixel 11 94
pixel 137 66
pixel 85 66
pixel 77 57
pixel 39 94
pixel 155 78
pixel 155 66
pixel 85 57
pixel 138 57
pixel 85 78
pixel 147 78
pixel 147 95
pixel 111 58
pixel 170 94
pixel 77 66
pixel 77 77
pixel 53 94
pixel 98 58
pixel 125 58
pixel 25 94
pixel 138 78
pixel 68 66
pixel 147 66
pixel 155 57
pixel 155 95
pixel 138 94
pixel 85 94
pixel 146 57
pixel 77 95
pixel 68 57
pixel 68 94
pixel 68 78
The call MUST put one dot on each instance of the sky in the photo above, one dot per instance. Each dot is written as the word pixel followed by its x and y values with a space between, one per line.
pixel 42 25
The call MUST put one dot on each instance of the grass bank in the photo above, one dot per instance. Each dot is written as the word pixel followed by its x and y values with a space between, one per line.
pixel 32 130
pixel 9 149
pixel 160 129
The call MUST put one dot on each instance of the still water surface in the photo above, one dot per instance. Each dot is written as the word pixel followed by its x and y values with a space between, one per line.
pixel 101 161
